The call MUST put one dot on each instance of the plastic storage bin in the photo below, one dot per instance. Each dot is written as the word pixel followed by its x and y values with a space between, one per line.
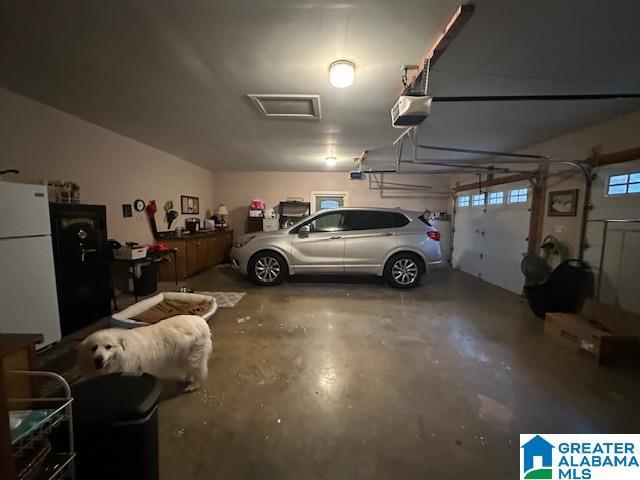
pixel 116 426
pixel 126 253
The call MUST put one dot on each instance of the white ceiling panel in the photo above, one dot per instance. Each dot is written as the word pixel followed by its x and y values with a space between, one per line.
pixel 175 75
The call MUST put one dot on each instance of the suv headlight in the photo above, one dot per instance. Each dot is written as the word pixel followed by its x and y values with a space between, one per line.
pixel 241 242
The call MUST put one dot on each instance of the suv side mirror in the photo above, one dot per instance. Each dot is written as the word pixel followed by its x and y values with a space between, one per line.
pixel 304 231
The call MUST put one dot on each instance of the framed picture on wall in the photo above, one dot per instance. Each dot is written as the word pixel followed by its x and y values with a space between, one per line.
pixel 563 203
pixel 189 204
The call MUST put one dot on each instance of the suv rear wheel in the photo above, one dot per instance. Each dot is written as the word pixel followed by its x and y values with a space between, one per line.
pixel 267 268
pixel 403 270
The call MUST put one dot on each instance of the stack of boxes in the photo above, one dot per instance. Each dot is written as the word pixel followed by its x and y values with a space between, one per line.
pixel 256 208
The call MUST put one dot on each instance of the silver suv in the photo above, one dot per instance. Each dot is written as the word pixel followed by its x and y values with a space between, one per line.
pixel 393 243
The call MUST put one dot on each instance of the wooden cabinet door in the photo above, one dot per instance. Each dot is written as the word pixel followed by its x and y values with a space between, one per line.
pixel 167 272
pixel 181 259
pixel 213 248
pixel 193 262
pixel 204 252
pixel 217 250
pixel 254 224
pixel 227 244
pixel 197 254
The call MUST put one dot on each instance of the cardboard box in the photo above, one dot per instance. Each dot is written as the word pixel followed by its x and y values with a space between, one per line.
pixel 606 334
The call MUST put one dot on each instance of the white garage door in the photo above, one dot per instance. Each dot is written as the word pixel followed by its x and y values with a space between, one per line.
pixel 615 195
pixel 491 231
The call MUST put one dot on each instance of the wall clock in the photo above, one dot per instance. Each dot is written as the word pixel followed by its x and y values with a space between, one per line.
pixel 139 205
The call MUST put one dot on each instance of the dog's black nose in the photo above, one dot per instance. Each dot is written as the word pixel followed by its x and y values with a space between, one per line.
pixel 98 362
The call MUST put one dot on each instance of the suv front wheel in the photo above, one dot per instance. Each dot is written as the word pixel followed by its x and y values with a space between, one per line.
pixel 403 270
pixel 267 268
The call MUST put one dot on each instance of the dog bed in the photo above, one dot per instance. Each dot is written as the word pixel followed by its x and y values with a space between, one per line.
pixel 164 305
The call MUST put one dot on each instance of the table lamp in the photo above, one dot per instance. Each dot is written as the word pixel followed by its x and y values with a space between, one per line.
pixel 221 212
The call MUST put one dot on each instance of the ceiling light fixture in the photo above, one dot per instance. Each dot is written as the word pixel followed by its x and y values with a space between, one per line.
pixel 342 73
pixel 331 159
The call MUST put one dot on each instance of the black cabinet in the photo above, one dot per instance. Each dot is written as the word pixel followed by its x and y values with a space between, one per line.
pixel 254 224
pixel 291 212
pixel 81 255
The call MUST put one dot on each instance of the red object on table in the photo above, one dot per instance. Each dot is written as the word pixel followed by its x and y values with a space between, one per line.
pixel 158 247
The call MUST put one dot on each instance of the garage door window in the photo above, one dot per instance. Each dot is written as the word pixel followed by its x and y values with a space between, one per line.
pixel 496 198
pixel 463 201
pixel 624 184
pixel 478 200
pixel 519 195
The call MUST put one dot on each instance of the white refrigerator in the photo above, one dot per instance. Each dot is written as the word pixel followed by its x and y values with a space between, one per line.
pixel 28 297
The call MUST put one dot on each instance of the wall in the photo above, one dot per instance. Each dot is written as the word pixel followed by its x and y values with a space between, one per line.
pixel 237 189
pixel 47 144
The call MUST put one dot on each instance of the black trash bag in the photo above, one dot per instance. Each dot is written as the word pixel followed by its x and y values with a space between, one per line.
pixel 563 290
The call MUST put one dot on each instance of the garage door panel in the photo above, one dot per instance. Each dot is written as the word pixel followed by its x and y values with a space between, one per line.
pixel 468 261
pixel 489 242
pixel 593 247
pixel 506 232
pixel 467 249
pixel 622 248
pixel 503 271
pixel 620 264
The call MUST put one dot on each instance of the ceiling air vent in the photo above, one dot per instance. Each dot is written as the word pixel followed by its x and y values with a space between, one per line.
pixel 306 107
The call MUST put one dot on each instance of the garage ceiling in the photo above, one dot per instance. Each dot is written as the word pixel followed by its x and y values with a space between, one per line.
pixel 175 75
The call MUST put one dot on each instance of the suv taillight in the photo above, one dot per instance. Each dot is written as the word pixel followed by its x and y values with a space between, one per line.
pixel 434 235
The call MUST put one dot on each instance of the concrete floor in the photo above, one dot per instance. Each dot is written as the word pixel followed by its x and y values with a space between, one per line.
pixel 346 379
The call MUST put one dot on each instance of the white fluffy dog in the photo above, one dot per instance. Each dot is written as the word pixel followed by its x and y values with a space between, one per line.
pixel 176 348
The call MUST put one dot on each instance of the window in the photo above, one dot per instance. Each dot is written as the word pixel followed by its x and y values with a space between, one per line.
pixel 496 198
pixel 329 222
pixel 519 195
pixel 478 200
pixel 423 219
pixel 372 219
pixel 325 203
pixel 399 220
pixel 328 200
pixel 463 201
pixel 624 184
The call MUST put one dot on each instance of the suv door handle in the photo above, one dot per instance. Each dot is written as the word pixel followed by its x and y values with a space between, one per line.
pixel 335 238
pixel 388 234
